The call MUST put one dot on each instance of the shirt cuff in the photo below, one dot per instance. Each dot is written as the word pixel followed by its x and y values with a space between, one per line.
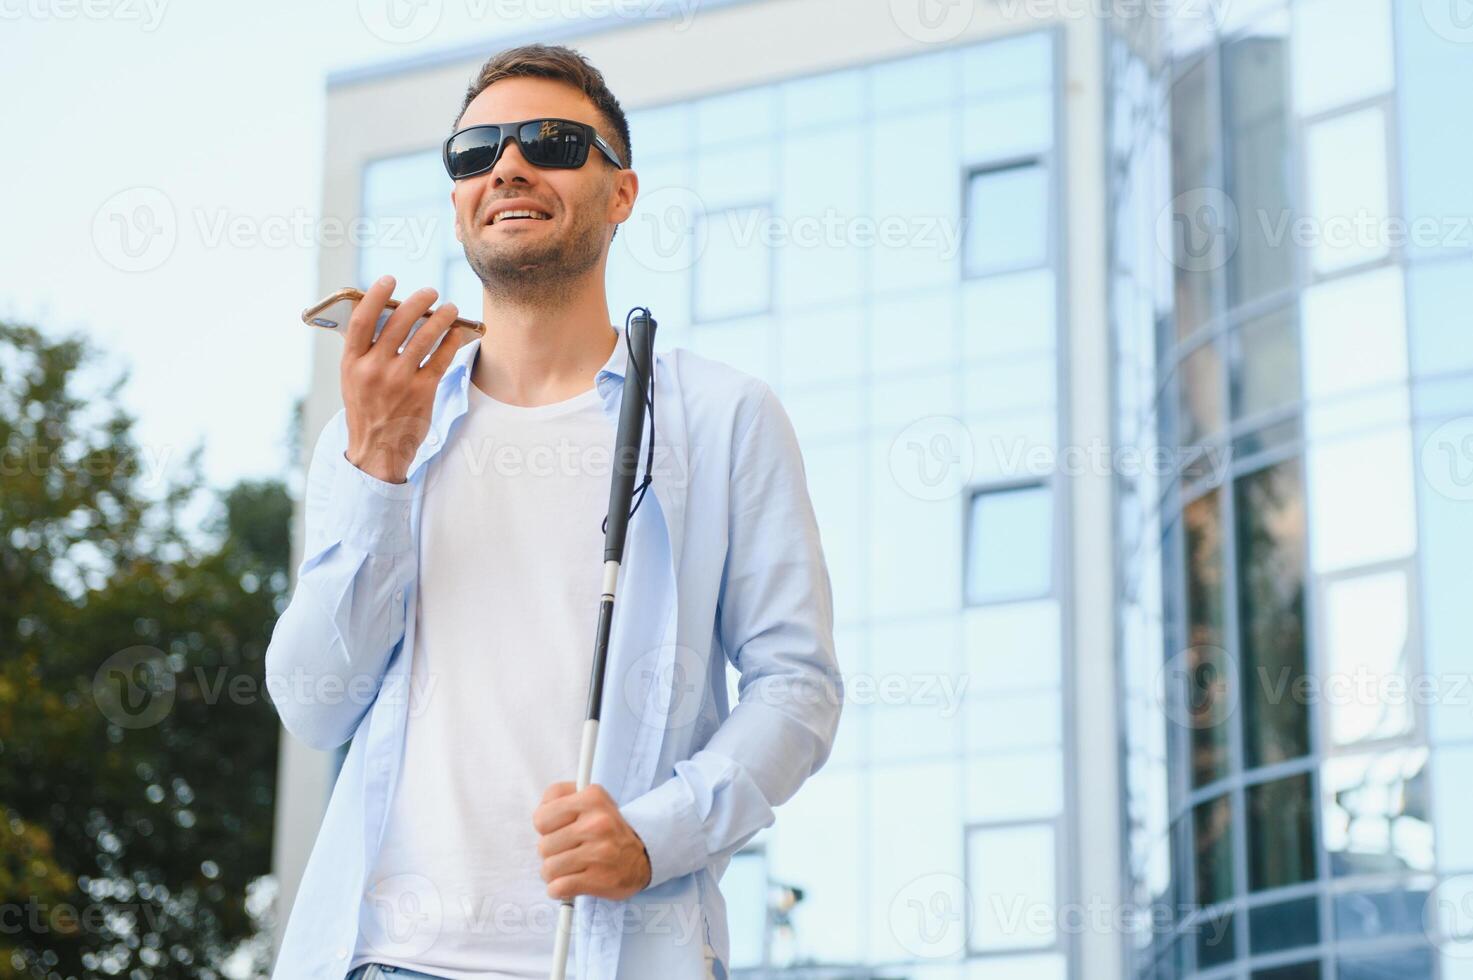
pixel 666 821
pixel 370 514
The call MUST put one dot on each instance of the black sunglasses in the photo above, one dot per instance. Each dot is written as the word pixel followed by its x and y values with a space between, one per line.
pixel 560 144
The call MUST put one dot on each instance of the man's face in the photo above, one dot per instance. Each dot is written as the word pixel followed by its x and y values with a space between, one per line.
pixel 523 256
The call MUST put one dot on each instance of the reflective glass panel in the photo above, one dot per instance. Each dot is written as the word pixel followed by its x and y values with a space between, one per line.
pixel 1010 544
pixel 1007 219
pixel 1212 829
pixel 1010 878
pixel 1207 690
pixel 1280 833
pixel 1264 363
pixel 1270 580
pixel 1376 813
pixel 1255 108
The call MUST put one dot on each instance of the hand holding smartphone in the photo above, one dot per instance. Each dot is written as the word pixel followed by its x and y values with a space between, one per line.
pixel 394 356
pixel 333 312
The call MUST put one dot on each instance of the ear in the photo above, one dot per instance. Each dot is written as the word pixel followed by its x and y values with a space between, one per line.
pixel 626 191
pixel 455 215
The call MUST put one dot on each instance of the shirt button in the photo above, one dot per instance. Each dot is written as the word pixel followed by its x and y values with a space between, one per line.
pixel 399 595
pixel 342 953
pixel 434 439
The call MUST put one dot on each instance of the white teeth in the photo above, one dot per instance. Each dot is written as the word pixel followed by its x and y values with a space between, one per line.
pixel 542 216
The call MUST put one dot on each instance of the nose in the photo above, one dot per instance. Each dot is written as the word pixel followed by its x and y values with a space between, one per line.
pixel 510 164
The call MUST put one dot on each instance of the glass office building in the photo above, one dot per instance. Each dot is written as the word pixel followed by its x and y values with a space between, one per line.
pixel 1290 280
pixel 878 231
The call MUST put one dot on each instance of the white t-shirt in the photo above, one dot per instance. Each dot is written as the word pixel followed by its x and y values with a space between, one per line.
pixel 509 582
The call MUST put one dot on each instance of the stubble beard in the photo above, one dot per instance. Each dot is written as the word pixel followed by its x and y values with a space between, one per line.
pixel 535 273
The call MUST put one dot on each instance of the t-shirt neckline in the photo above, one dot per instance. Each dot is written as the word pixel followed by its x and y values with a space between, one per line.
pixel 581 400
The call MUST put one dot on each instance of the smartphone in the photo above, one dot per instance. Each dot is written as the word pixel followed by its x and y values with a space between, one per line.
pixel 332 313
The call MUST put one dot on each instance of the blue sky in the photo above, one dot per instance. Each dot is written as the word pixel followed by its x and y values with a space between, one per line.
pixel 201 123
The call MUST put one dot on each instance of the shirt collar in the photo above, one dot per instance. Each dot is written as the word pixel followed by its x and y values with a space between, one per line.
pixel 459 372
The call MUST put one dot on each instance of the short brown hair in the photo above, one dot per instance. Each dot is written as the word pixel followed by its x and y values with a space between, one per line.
pixel 560 64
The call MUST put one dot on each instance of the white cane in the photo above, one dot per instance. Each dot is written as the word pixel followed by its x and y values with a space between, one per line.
pixel 640 338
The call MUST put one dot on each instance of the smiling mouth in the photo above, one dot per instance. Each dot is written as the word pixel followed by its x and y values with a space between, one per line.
pixel 503 217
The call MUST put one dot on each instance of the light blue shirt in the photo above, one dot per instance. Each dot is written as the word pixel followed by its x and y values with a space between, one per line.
pixel 723 560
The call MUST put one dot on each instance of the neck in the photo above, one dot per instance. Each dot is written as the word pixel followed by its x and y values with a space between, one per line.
pixel 537 354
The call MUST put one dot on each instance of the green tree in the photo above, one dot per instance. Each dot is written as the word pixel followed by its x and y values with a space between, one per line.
pixel 137 746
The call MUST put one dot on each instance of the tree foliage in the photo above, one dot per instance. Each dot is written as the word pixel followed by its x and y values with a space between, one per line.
pixel 137 746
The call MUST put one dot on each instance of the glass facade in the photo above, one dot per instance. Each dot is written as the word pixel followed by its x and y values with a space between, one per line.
pixel 1290 274
pixel 880 244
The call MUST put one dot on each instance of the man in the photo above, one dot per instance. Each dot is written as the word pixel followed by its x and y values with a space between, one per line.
pixel 445 605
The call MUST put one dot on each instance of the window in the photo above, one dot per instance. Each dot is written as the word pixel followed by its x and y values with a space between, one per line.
pixel 1255 88
pixel 1274 928
pixel 744 884
pixel 1012 885
pixel 1217 938
pixel 1270 537
pixel 1365 629
pixel 1347 188
pixel 1355 335
pixel 733 274
pixel 1375 523
pixel 1009 544
pixel 1200 382
pixel 1281 833
pixel 1006 220
pixel 1383 912
pixel 1212 830
pixel 1194 150
pixel 1342 53
pixel 1264 359
pixel 1209 701
pixel 1376 818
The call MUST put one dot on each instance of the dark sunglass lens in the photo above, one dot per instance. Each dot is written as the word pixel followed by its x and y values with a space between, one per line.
pixel 472 152
pixel 552 143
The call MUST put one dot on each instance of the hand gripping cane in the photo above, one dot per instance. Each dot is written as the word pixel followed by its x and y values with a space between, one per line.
pixel 638 372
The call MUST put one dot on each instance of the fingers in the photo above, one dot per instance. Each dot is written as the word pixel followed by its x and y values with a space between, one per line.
pixel 570 886
pixel 556 790
pixel 565 838
pixel 365 315
pixel 434 328
pixel 555 810
pixel 573 862
pixel 403 318
pixel 439 362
